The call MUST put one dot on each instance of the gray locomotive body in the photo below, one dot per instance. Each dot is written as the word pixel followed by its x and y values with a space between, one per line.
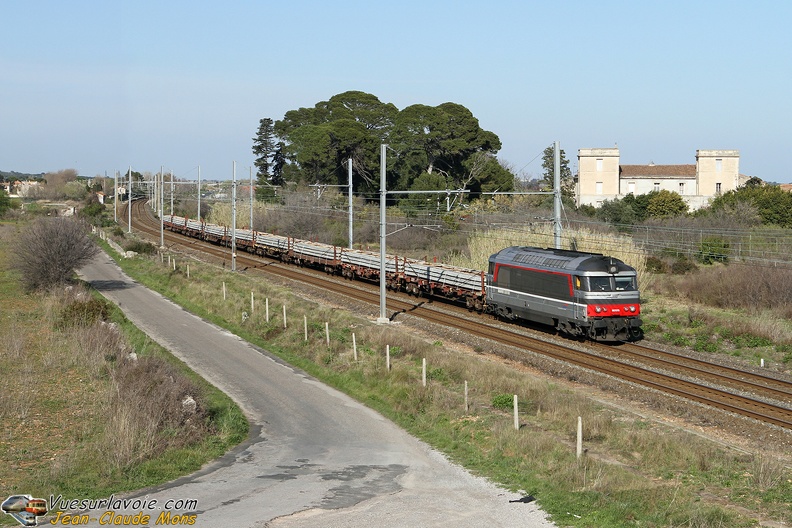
pixel 582 294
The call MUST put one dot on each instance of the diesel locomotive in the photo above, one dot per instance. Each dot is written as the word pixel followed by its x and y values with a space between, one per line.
pixel 581 294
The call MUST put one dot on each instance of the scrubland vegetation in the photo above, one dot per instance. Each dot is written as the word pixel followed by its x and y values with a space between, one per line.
pixel 90 405
pixel 717 292
pixel 637 472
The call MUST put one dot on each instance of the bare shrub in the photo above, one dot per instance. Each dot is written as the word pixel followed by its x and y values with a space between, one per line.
pixel 740 286
pixel 97 347
pixel 148 413
pixel 56 182
pixel 302 222
pixel 221 213
pixel 189 207
pixel 410 238
pixel 50 249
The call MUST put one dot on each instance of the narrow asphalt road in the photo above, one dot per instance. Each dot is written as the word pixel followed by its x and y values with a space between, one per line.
pixel 315 457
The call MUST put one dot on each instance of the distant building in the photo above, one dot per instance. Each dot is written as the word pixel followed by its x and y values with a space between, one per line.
pixel 601 177
pixel 26 189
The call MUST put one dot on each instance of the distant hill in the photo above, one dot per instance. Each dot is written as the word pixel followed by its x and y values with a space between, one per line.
pixel 21 176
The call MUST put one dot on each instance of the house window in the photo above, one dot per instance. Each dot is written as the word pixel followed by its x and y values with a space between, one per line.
pixel 717 188
pixel 656 186
pixel 630 187
pixel 682 188
pixel 598 188
pixel 718 165
pixel 599 164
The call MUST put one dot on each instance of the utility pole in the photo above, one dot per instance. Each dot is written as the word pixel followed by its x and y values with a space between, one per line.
pixel 171 175
pixel 115 199
pixel 199 193
pixel 383 318
pixel 160 205
pixel 129 202
pixel 233 219
pixel 557 192
pixel 350 202
pixel 155 195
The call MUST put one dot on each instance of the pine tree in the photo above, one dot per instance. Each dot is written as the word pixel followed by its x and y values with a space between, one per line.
pixel 278 163
pixel 264 148
pixel 548 180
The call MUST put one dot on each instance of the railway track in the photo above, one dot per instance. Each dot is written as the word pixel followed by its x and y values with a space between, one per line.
pixel 762 398
pixel 746 381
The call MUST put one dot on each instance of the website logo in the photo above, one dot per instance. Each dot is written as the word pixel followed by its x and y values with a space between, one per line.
pixel 24 509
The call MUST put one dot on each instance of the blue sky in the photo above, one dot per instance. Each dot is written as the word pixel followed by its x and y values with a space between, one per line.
pixel 99 86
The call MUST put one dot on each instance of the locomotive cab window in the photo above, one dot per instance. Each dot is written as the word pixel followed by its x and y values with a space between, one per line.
pixel 625 283
pixel 600 284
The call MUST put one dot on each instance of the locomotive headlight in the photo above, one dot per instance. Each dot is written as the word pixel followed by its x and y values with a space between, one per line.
pixel 598 309
pixel 632 308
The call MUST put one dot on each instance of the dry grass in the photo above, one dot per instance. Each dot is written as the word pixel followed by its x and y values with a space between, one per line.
pixel 734 286
pixel 482 245
pixel 221 213
pixel 766 473
pixel 152 407
pixel 736 309
pixel 140 397
pixel 633 467
pixel 75 404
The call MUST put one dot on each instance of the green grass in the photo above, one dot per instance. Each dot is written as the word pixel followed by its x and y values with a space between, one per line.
pixel 735 333
pixel 637 473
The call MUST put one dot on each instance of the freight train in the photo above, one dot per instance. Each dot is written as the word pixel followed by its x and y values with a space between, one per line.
pixel 586 295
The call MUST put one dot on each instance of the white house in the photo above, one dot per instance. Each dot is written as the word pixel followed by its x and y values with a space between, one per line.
pixel 602 177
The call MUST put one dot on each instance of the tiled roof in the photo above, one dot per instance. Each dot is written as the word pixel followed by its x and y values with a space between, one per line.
pixel 676 171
